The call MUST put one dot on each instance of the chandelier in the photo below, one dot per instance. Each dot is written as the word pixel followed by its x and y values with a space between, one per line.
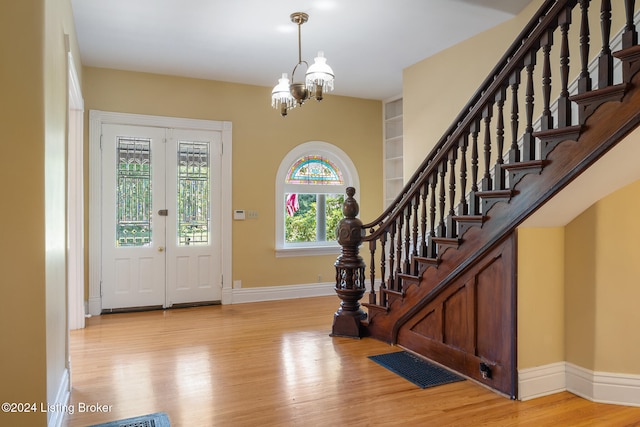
pixel 318 78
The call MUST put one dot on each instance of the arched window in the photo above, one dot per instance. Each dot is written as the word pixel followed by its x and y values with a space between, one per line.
pixel 310 190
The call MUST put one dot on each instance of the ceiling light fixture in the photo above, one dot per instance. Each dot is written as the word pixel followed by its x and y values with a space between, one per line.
pixel 318 78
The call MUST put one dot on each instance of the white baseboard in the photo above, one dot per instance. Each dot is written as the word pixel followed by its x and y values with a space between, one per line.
pixel 601 387
pixel 272 293
pixel 56 410
pixel 541 381
pixel 604 387
pixel 95 306
pixel 266 293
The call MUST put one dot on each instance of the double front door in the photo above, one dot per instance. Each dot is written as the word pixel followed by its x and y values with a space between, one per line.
pixel 160 228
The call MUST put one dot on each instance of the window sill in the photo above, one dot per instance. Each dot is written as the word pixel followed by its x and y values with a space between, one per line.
pixel 307 251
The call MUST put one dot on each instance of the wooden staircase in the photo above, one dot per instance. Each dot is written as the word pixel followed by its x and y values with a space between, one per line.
pixel 442 258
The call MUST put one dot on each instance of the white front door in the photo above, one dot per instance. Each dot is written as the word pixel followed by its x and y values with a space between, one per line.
pixel 160 230
pixel 193 223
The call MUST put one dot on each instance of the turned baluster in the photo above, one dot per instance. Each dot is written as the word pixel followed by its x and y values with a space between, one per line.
pixel 383 268
pixel 392 241
pixel 529 141
pixel 372 272
pixel 350 276
pixel 514 151
pixel 487 114
pixel 442 169
pixel 407 238
pixel 398 269
pixel 453 154
pixel 463 208
pixel 416 206
pixel 630 35
pixel 547 118
pixel 423 218
pixel 605 61
pixel 431 249
pixel 584 81
pixel 564 104
pixel 474 203
pixel 498 172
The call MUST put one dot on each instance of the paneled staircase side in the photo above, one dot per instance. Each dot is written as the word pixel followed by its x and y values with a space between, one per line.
pixel 609 124
pixel 425 227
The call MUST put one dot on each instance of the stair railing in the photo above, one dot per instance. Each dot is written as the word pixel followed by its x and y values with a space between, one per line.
pixel 494 142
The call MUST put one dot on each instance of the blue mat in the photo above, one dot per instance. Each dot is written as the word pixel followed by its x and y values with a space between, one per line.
pixel 159 419
pixel 414 369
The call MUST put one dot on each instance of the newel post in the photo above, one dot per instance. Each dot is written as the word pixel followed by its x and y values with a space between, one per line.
pixel 350 279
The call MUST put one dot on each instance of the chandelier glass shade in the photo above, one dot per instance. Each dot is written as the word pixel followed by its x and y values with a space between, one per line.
pixel 319 77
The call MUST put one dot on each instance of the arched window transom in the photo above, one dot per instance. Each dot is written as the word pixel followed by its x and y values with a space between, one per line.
pixel 315 170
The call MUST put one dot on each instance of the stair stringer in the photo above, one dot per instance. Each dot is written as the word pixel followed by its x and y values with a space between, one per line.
pixel 605 127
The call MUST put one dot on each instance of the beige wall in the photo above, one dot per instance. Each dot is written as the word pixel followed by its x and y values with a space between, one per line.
pixel 261 138
pixel 22 248
pixel 541 305
pixel 578 288
pixel 602 285
pixel 436 89
pixel 32 169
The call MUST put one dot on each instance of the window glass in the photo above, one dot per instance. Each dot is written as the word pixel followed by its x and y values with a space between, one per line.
pixel 314 170
pixel 133 192
pixel 193 193
pixel 312 217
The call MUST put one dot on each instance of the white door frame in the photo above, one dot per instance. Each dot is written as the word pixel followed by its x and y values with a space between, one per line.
pixel 96 120
pixel 75 200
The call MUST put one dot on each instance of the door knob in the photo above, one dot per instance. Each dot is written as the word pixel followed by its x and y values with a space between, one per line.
pixel 160 249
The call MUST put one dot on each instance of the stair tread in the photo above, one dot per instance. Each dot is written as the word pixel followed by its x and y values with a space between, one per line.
pixel 469 218
pixel 392 292
pixel 407 276
pixel 427 260
pixel 454 240
pixel 524 165
pixel 375 307
pixel 497 194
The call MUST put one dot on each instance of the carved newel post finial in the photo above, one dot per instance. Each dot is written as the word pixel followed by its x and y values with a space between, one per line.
pixel 350 280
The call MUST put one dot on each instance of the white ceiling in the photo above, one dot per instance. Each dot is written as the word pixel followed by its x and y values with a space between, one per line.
pixel 367 42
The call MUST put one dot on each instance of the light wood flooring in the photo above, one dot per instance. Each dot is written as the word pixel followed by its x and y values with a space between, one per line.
pixel 274 364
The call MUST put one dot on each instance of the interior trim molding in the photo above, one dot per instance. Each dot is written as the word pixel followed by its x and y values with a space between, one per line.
pixel 600 387
pixel 603 387
pixel 541 381
pixel 273 293
pixel 57 410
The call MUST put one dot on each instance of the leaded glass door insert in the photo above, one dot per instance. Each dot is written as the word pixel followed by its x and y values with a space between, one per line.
pixel 193 193
pixel 133 188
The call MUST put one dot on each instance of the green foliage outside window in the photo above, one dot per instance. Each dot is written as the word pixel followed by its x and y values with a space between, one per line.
pixel 302 225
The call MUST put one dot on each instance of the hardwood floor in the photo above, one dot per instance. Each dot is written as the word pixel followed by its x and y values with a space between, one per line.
pixel 274 364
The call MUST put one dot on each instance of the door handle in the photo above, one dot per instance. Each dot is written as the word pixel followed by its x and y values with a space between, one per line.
pixel 163 212
pixel 160 248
